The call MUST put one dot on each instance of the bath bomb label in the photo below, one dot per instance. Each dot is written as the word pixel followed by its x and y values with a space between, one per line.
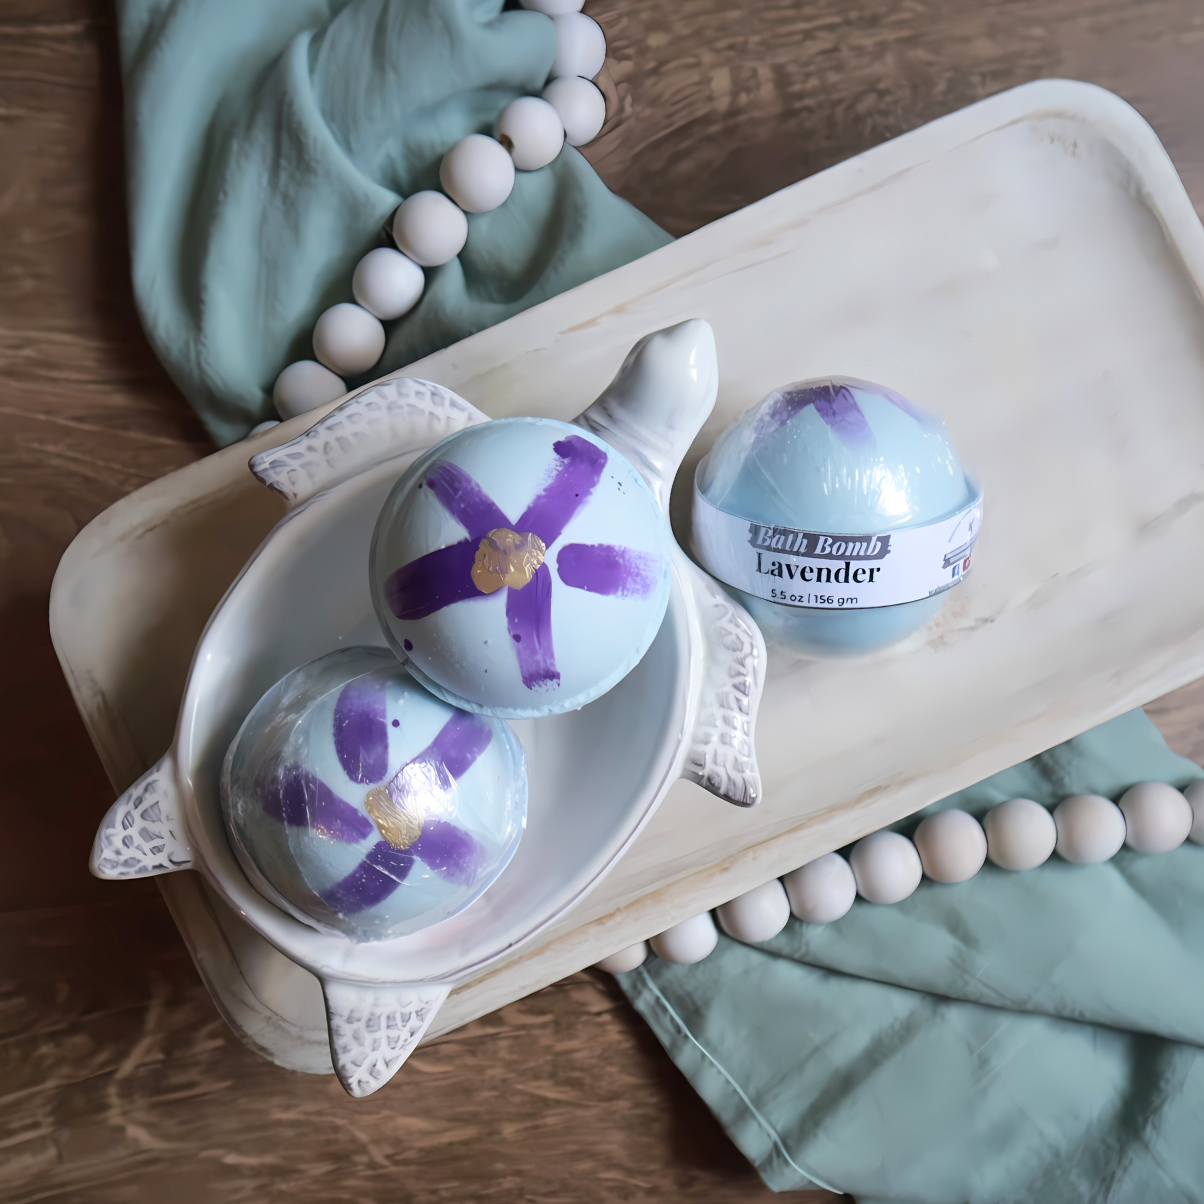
pixel 821 569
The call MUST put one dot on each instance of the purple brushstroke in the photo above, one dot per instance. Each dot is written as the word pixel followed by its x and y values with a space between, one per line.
pixel 465 500
pixel 361 735
pixel 604 568
pixel 461 740
pixel 444 577
pixel 447 849
pixel 569 490
pixel 380 873
pixel 438 579
pixel 295 796
pixel 529 619
pixel 450 851
pixel 834 403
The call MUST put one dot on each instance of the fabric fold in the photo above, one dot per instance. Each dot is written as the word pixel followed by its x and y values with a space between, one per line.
pixel 1032 1037
pixel 268 146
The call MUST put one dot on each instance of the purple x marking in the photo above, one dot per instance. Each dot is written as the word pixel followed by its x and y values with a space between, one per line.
pixel 444 577
pixel 835 404
pixel 361 738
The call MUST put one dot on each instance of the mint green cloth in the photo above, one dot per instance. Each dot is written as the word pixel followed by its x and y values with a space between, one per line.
pixel 1027 1038
pixel 270 141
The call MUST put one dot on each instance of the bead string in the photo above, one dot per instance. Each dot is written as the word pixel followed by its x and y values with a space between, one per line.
pixel 949 846
pixel 429 228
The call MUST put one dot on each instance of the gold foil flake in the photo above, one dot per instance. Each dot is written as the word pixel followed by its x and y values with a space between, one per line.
pixel 398 825
pixel 506 557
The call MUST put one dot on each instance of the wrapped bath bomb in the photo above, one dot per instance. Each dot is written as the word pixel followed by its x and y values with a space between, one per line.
pixel 520 568
pixel 362 805
pixel 839 514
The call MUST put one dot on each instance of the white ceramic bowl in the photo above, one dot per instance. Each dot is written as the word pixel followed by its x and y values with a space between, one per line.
pixel 595 775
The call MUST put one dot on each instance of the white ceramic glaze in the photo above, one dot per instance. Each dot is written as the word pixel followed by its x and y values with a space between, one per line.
pixel 595 775
pixel 1031 269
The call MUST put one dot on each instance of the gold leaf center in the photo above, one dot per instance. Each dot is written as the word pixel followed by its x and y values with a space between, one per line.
pixel 399 826
pixel 506 557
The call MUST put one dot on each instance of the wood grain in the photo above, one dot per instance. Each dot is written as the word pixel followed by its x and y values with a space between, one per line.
pixel 118 1080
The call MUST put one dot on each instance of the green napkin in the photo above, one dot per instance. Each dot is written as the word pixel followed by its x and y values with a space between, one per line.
pixel 269 144
pixel 1031 1038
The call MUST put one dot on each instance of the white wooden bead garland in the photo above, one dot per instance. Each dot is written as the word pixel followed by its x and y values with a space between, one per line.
pixel 430 229
pixel 950 846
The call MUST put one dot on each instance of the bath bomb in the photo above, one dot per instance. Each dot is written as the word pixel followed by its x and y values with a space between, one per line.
pixel 839 513
pixel 1157 817
pixel 821 891
pixel 1021 834
pixel 521 568
pixel 952 846
pixel 362 805
pixel 756 915
pixel 1091 828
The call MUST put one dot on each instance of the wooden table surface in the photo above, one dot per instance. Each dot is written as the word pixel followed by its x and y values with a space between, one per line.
pixel 118 1080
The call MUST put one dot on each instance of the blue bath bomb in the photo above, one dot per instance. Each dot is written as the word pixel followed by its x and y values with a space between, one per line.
pixel 364 806
pixel 836 455
pixel 521 568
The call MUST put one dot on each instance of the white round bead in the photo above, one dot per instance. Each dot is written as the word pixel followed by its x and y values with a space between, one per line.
pixel 1195 796
pixel 580 46
pixel 687 942
pixel 627 959
pixel 477 173
pixel 429 228
pixel 886 866
pixel 1021 834
pixel 387 283
pixel 303 386
pixel 952 846
pixel 531 130
pixel 260 427
pixel 553 8
pixel 1157 817
pixel 581 106
pixel 822 890
pixel 1091 828
pixel 758 914
pixel 348 339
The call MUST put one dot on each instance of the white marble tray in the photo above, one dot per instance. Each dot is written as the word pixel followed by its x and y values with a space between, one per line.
pixel 1030 268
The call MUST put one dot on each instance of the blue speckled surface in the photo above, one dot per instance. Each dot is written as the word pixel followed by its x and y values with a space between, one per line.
pixel 845 456
pixel 572 631
pixel 296 785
